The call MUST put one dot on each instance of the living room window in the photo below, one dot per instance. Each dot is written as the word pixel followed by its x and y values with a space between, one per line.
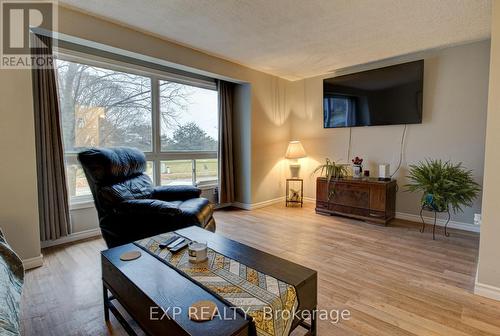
pixel 173 120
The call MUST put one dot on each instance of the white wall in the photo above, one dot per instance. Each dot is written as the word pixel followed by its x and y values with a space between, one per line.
pixel 453 128
pixel 18 185
pixel 488 275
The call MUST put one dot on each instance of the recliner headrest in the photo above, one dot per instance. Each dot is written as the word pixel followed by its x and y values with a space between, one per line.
pixel 109 165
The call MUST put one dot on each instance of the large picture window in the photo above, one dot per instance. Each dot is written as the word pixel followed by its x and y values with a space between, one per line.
pixel 106 105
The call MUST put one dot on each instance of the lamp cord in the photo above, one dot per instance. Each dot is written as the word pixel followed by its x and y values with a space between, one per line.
pixel 403 136
pixel 349 145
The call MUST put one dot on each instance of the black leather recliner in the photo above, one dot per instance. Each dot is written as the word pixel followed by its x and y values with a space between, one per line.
pixel 129 206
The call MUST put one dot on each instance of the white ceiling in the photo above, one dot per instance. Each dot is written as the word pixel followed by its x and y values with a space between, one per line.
pixel 295 39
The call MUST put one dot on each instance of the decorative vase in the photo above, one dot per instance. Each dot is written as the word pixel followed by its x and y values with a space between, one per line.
pixel 357 171
pixel 429 202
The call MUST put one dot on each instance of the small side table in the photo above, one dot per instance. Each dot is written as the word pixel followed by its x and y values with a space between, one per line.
pixel 430 209
pixel 294 199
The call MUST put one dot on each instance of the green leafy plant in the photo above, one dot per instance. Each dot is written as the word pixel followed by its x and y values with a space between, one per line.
pixel 444 184
pixel 331 170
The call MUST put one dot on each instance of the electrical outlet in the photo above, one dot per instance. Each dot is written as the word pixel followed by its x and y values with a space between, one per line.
pixel 477 219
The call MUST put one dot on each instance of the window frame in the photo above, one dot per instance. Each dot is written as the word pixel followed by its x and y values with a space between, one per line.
pixel 156 155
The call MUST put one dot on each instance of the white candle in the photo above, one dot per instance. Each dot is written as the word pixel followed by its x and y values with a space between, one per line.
pixel 197 252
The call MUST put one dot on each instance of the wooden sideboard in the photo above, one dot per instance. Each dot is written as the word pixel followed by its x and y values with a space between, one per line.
pixel 368 199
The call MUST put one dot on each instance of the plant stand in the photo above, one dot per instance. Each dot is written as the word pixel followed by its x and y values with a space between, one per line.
pixel 430 209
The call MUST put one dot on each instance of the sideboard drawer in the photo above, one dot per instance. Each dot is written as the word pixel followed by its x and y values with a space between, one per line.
pixel 351 195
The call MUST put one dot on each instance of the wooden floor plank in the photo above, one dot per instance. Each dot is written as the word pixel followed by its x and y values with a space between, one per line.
pixel 394 280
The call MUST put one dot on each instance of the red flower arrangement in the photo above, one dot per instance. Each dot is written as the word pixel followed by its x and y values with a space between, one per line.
pixel 357 161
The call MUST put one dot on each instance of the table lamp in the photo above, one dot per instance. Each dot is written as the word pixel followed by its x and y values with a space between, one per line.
pixel 294 152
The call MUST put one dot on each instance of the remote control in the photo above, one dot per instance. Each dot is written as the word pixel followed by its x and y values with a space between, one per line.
pixel 175 243
pixel 178 247
pixel 167 242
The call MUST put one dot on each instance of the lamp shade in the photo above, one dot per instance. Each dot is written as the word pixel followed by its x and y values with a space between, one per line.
pixel 295 150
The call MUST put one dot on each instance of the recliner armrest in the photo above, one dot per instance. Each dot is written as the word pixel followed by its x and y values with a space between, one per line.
pixel 176 193
pixel 147 207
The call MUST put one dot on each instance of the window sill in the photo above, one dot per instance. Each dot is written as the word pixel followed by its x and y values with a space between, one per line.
pixel 208 185
pixel 81 205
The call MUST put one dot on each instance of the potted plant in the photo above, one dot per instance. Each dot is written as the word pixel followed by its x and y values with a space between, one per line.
pixel 444 185
pixel 331 171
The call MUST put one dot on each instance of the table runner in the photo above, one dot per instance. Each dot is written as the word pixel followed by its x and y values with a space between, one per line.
pixel 239 285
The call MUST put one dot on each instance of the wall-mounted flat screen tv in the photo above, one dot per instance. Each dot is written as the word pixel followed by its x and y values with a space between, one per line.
pixel 385 96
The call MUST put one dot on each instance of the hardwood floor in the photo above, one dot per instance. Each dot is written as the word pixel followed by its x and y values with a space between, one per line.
pixel 393 280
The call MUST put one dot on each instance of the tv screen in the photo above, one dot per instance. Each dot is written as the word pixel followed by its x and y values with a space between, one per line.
pixel 385 96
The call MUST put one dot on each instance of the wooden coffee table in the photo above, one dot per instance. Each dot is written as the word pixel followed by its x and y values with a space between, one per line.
pixel 143 285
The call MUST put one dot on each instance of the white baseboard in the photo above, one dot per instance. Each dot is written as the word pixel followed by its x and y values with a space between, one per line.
pixel 33 262
pixel 309 199
pixel 253 206
pixel 439 222
pixel 72 237
pixel 488 291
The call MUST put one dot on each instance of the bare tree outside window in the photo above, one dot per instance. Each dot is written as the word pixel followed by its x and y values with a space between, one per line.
pixel 196 127
pixel 106 108
pixel 103 107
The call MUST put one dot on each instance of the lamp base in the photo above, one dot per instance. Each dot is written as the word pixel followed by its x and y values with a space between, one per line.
pixel 295 170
